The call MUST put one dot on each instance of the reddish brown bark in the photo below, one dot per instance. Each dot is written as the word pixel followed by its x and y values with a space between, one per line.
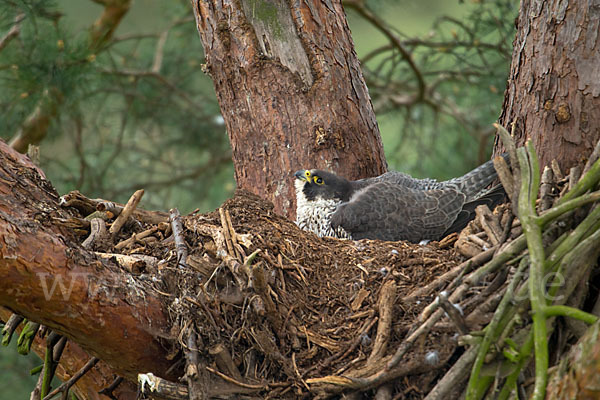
pixel 291 92
pixel 97 308
pixel 578 373
pixel 553 93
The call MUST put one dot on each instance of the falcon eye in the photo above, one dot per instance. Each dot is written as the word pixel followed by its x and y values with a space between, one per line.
pixel 318 180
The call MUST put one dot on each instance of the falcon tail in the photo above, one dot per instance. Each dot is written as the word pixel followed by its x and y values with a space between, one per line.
pixel 474 183
pixel 491 198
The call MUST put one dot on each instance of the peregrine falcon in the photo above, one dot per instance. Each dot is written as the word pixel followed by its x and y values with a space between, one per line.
pixel 393 206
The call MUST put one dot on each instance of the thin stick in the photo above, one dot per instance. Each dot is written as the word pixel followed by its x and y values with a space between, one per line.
pixel 546 195
pixel 67 385
pixel 108 391
pixel 126 213
pixel 454 377
pixel 387 298
pixel 506 178
pixel 448 276
pixel 9 328
pixel 135 237
pixel 13 31
pixel 586 182
pixel 192 361
pixel 97 233
pixel 593 158
pixel 238 383
pixel 453 313
pixel 180 245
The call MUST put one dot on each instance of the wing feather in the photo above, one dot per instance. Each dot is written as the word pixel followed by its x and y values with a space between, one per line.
pixel 389 211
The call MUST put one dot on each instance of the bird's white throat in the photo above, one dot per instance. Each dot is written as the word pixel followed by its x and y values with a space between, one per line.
pixel 315 215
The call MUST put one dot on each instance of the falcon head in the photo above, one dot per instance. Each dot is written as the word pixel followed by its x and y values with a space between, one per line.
pixel 315 184
pixel 318 195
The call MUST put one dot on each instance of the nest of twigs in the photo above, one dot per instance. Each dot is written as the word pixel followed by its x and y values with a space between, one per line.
pixel 276 312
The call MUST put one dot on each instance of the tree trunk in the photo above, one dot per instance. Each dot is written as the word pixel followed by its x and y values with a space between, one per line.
pixel 553 93
pixel 578 373
pixel 291 92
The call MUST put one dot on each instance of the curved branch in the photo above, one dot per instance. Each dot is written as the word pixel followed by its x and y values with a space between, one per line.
pixel 359 6
pixel 49 279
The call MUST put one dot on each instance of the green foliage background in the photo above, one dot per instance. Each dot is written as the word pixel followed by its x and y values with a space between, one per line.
pixel 120 128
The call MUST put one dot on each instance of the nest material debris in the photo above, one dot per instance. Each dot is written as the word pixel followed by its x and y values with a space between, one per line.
pixel 280 311
pixel 271 311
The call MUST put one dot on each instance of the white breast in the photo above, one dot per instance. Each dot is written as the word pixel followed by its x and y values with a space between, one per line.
pixel 315 216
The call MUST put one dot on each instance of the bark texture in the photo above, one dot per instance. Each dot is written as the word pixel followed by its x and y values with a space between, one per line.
pixel 553 93
pixel 291 92
pixel 578 374
pixel 47 278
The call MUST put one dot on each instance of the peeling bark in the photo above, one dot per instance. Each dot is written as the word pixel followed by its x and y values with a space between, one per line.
pixel 553 92
pixel 291 92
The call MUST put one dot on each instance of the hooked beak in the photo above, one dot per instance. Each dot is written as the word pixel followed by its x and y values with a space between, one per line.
pixel 301 175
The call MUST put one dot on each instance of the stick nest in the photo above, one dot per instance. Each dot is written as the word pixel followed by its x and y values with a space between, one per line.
pixel 302 307
pixel 262 309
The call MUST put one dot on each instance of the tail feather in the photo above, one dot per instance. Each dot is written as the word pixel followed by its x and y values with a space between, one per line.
pixel 491 198
pixel 474 183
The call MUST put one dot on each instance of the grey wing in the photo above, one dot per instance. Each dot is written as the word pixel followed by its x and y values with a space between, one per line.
pixel 400 178
pixel 387 211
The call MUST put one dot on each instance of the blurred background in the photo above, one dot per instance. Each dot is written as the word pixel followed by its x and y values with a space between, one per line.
pixel 137 112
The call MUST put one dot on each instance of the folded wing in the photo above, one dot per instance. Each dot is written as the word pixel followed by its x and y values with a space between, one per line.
pixel 388 211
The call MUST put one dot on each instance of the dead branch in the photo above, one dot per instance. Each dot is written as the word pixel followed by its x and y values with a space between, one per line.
pixel 68 384
pixel 135 263
pixel 136 237
pixel 196 391
pixel 490 224
pixel 126 213
pixel 453 313
pixel 439 282
pixel 12 32
pixel 97 233
pixel 505 176
pixel 86 206
pixel 387 298
pixel 9 328
pixel 180 245
pixel 546 189
pixel 454 378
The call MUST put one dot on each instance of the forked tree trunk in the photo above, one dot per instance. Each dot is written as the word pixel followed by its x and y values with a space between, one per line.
pixel 553 95
pixel 291 92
